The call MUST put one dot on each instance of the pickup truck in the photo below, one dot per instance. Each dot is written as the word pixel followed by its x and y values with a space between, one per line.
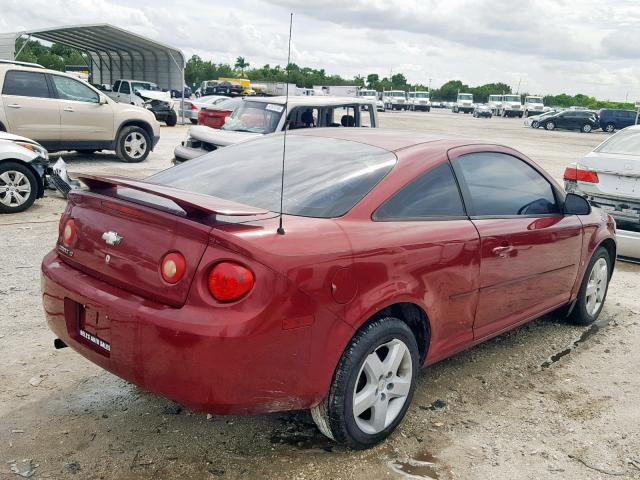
pixel 147 95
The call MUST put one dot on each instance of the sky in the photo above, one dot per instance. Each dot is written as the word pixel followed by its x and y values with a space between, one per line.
pixel 545 46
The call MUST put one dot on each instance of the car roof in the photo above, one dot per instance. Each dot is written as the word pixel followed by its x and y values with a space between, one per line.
pixel 316 101
pixel 391 140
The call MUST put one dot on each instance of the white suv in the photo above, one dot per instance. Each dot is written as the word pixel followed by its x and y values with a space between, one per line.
pixel 63 113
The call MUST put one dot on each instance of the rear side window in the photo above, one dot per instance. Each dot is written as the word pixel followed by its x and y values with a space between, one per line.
pixel 502 185
pixel 432 195
pixel 625 142
pixel 25 84
pixel 116 86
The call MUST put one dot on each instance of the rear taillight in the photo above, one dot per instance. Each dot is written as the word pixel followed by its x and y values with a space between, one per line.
pixel 69 232
pixel 173 267
pixel 230 281
pixel 193 107
pixel 574 173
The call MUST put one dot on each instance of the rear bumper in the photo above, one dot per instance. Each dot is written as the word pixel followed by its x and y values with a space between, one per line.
pixel 225 365
pixel 628 244
pixel 621 209
pixel 183 153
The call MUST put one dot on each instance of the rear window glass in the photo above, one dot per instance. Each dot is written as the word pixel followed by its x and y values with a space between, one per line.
pixel 625 142
pixel 323 177
pixel 26 84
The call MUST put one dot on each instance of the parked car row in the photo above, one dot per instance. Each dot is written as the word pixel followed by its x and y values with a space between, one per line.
pixel 609 120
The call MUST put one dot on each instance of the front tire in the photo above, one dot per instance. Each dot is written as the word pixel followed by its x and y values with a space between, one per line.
pixel 372 385
pixel 586 128
pixel 172 119
pixel 134 145
pixel 550 126
pixel 18 187
pixel 593 290
pixel 609 128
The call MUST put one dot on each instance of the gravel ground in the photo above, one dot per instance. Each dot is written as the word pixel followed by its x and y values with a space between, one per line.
pixel 546 401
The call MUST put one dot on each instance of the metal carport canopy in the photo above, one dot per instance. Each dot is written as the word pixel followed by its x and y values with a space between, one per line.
pixel 115 53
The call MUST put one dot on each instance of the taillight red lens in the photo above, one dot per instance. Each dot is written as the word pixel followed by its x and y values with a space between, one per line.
pixel 230 281
pixel 69 232
pixel 573 173
pixel 193 107
pixel 173 267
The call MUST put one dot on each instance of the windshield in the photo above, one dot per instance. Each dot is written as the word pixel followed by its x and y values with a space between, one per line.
pixel 625 142
pixel 323 177
pixel 465 96
pixel 367 93
pixel 512 98
pixel 255 117
pixel 144 86
pixel 495 98
pixel 533 100
pixel 422 95
pixel 395 94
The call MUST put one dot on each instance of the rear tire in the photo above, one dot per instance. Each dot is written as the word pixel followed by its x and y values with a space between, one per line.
pixel 593 290
pixel 133 145
pixel 376 376
pixel 18 187
pixel 194 121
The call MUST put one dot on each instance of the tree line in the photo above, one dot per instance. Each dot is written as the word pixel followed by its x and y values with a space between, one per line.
pixel 198 70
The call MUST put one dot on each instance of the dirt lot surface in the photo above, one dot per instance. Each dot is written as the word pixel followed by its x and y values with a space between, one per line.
pixel 546 401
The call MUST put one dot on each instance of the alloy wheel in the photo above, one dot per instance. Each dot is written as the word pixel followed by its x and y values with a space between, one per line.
pixel 15 188
pixel 135 145
pixel 382 387
pixel 596 286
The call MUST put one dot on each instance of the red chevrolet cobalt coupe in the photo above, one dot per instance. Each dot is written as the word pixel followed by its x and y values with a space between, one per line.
pixel 399 249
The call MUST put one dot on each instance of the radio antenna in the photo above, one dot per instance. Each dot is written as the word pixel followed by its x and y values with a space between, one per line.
pixel 286 126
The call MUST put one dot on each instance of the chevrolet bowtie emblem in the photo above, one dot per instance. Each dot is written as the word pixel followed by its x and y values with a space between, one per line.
pixel 112 238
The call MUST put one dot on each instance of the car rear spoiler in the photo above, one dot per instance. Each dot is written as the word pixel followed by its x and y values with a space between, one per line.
pixel 188 201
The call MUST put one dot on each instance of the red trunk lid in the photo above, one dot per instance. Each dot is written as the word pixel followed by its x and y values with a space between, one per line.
pixel 147 235
pixel 212 118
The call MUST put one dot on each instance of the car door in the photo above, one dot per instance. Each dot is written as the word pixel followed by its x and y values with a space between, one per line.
pixel 440 253
pixel 565 120
pixel 530 251
pixel 124 93
pixel 30 107
pixel 83 118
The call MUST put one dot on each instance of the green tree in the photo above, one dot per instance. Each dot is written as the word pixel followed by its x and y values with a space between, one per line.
pixel 241 64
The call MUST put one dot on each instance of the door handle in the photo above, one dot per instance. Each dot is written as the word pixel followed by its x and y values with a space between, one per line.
pixel 502 251
pixel 69 109
pixel 14 105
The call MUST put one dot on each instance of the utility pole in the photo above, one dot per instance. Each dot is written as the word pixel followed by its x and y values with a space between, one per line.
pixel 429 85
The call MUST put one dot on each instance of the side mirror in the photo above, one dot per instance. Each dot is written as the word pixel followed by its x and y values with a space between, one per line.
pixel 103 100
pixel 576 205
